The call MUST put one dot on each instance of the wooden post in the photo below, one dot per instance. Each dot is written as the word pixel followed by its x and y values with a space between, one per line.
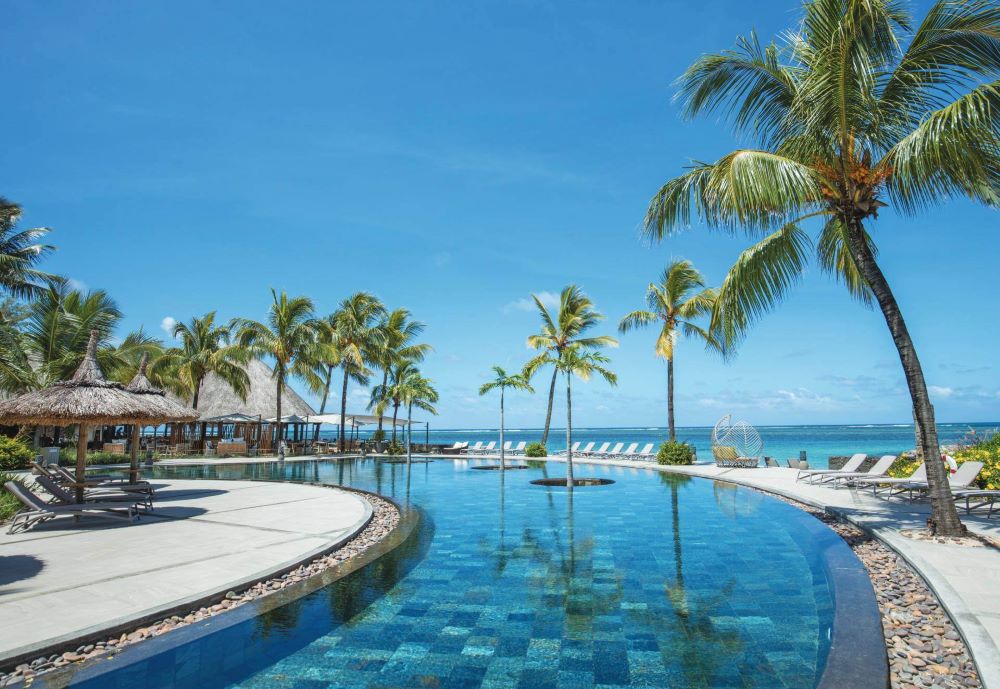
pixel 81 460
pixel 133 469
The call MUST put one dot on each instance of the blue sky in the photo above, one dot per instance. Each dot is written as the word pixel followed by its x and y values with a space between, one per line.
pixel 452 158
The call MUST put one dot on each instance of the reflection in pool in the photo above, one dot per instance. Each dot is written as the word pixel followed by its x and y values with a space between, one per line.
pixel 656 580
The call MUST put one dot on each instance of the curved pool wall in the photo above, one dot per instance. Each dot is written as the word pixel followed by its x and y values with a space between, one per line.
pixel 655 580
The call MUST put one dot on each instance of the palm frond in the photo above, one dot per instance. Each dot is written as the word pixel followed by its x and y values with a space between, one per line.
pixel 835 258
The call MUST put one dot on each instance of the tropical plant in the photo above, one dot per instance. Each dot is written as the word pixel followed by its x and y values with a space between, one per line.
pixel 391 393
pixel 415 391
pixel 501 381
pixel 10 505
pixel 355 327
pixel 396 344
pixel 536 450
pixel 14 454
pixel 575 316
pixel 288 335
pixel 674 302
pixel 582 363
pixel 674 452
pixel 205 348
pixel 853 111
pixel 20 252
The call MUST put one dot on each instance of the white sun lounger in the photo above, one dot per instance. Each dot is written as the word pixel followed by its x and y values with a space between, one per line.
pixel 629 452
pixel 576 448
pixel 645 453
pixel 587 449
pixel 488 448
pixel 981 498
pixel 474 449
pixel 613 452
pixel 598 452
pixel 519 448
pixel 35 511
pixel 852 478
pixel 878 483
pixel 812 475
pixel 960 480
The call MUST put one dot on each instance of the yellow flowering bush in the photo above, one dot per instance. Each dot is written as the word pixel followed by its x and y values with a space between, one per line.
pixel 985 449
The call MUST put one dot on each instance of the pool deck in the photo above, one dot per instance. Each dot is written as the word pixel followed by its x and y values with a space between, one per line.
pixel 66 580
pixel 965 579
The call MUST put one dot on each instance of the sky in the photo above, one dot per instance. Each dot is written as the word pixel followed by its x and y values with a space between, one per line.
pixel 453 158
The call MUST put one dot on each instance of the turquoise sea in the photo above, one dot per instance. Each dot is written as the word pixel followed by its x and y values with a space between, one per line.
pixel 780 442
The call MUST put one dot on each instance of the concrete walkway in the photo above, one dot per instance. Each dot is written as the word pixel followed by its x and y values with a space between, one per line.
pixel 965 579
pixel 65 579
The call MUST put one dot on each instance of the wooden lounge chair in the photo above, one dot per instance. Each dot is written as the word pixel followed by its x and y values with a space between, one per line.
pixel 34 511
pixel 813 475
pixel 62 496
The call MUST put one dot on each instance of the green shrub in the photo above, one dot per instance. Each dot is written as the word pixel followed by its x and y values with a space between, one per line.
pixel 904 466
pixel 9 505
pixel 67 457
pixel 378 436
pixel 536 450
pixel 985 449
pixel 14 454
pixel 395 448
pixel 675 452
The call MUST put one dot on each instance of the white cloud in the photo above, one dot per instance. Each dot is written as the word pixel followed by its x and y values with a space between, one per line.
pixel 550 300
pixel 167 325
pixel 940 391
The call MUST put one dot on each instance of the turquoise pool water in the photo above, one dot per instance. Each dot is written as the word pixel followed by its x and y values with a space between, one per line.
pixel 653 581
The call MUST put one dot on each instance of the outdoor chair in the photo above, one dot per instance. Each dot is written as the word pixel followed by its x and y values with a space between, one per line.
pixel 519 448
pixel 613 452
pixel 963 477
pixel 982 499
pixel 879 483
pixel 474 449
pixel 34 511
pixel 646 453
pixel 596 453
pixel 771 463
pixel 880 468
pixel 852 465
pixel 629 452
pixel 575 447
pixel 736 445
pixel 64 475
pixel 62 496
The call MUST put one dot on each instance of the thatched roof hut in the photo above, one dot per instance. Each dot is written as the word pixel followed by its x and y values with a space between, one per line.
pixel 217 398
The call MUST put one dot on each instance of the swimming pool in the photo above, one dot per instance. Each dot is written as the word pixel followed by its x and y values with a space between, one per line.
pixel 656 580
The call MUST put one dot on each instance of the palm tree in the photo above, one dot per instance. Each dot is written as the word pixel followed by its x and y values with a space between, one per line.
pixel 289 336
pixel 849 116
pixel 20 252
pixel 205 348
pixel 678 299
pixel 503 380
pixel 576 315
pixel 391 393
pixel 397 330
pixel 416 391
pixel 355 324
pixel 582 363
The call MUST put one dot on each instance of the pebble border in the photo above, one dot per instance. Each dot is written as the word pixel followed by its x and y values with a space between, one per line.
pixel 385 518
pixel 923 646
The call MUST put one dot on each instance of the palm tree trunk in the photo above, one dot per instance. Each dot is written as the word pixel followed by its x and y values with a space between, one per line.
pixel 385 383
pixel 409 433
pixel 944 516
pixel 326 388
pixel 395 413
pixel 280 385
pixel 548 413
pixel 569 433
pixel 670 399
pixel 343 411
pixel 502 462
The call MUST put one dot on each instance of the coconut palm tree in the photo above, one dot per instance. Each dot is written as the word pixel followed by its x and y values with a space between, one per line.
pixel 289 336
pixel 674 302
pixel 583 363
pixel 398 331
pixel 416 391
pixel 391 393
pixel 854 111
pixel 576 315
pixel 355 324
pixel 205 347
pixel 501 381
pixel 20 252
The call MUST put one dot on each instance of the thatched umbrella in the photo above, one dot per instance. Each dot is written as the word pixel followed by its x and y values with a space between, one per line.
pixel 86 399
pixel 157 399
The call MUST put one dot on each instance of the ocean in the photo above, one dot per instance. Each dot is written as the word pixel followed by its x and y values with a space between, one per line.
pixel 780 442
